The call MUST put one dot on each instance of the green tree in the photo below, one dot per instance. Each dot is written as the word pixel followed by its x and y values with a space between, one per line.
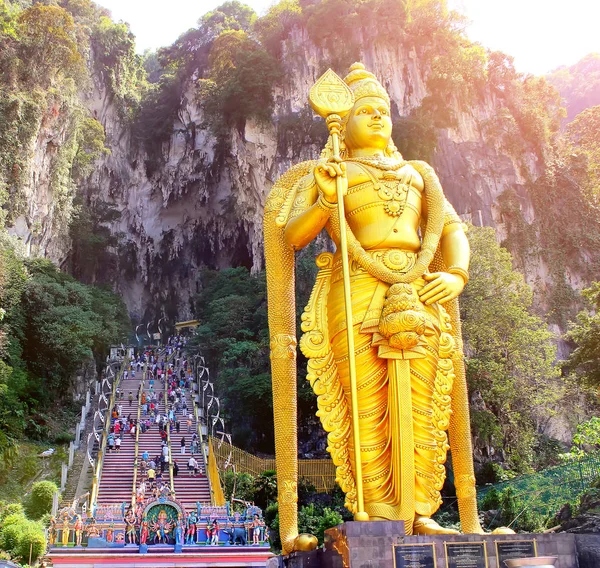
pixel 90 146
pixel 585 333
pixel 231 15
pixel 21 538
pixel 121 69
pixel 239 485
pixel 584 136
pixel 239 83
pixel 509 351
pixel 48 43
pixel 265 488
pixel 234 338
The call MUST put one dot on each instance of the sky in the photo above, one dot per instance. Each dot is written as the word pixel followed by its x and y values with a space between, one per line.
pixel 540 34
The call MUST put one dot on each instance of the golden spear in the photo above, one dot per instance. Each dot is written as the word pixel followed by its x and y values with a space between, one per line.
pixel 332 99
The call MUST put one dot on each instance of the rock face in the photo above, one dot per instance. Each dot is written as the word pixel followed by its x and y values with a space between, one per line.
pixel 45 195
pixel 200 208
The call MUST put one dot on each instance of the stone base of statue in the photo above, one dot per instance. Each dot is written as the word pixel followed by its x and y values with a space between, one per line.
pixel 143 549
pixel 178 548
pixel 383 544
pixel 349 545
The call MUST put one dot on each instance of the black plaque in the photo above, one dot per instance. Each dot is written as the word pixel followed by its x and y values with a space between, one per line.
pixel 507 549
pixel 414 556
pixel 466 555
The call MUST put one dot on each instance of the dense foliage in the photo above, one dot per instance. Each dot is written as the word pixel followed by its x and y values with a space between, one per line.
pixel 52 324
pixel 21 538
pixel 316 513
pixel 585 333
pixel 579 84
pixel 39 501
pixel 47 53
pixel 510 356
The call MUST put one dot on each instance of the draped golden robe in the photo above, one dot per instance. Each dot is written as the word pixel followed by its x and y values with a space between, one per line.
pixel 387 493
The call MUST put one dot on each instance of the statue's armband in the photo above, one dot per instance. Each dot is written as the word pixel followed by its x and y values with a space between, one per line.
pixel 305 196
pixel 452 222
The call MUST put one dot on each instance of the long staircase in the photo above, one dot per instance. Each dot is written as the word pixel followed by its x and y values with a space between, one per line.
pixel 116 482
pixel 117 478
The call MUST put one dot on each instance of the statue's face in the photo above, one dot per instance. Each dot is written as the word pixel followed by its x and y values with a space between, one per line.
pixel 369 125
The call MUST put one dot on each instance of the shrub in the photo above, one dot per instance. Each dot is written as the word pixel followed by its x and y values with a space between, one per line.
pixel 39 501
pixel 31 542
pixel 8 509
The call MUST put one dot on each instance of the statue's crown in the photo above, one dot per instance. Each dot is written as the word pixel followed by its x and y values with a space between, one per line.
pixel 365 84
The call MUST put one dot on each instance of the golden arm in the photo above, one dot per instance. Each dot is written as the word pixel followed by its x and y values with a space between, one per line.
pixel 304 226
pixel 445 286
pixel 455 247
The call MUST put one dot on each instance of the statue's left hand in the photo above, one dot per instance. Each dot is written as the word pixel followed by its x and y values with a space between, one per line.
pixel 442 287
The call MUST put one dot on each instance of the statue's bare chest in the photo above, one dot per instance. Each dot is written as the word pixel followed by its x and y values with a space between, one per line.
pixel 381 194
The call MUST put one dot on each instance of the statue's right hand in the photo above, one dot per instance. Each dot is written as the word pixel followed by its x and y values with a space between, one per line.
pixel 325 178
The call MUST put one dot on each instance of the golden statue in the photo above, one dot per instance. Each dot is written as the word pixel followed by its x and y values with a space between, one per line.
pixel 402 259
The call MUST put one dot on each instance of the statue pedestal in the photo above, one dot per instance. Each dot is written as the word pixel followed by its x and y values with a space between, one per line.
pixel 383 544
pixel 143 549
pixel 361 544
pixel 350 545
pixel 178 548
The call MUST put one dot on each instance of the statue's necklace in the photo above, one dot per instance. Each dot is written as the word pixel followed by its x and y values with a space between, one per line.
pixel 381 163
pixel 388 187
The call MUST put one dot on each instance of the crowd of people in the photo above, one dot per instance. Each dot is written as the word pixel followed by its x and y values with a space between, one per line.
pixel 168 378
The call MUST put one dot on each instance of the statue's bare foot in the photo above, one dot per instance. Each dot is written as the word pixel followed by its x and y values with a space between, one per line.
pixel 426 525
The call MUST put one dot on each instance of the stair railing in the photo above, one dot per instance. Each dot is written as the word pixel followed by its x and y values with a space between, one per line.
pixel 102 450
pixel 172 483
pixel 203 447
pixel 137 437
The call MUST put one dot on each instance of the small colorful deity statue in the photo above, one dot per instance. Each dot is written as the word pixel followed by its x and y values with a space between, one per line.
pixel 65 531
pixel 144 533
pixel 161 527
pixel 110 533
pixel 52 531
pixel 130 528
pixel 179 529
pixel 91 529
pixel 256 525
pixel 191 528
pixel 78 530
pixel 214 540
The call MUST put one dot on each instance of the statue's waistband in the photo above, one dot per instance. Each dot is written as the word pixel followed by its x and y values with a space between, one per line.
pixel 398 260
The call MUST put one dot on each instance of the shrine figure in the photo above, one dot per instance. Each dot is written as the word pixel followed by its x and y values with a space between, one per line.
pixel 144 532
pixel 130 527
pixel 179 528
pixel 190 535
pixel 52 531
pixel 214 540
pixel 256 526
pixel 65 531
pixel 162 527
pixel 91 529
pixel 78 530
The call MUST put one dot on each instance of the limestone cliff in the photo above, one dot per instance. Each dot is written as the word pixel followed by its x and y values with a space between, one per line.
pixel 198 202
pixel 200 208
